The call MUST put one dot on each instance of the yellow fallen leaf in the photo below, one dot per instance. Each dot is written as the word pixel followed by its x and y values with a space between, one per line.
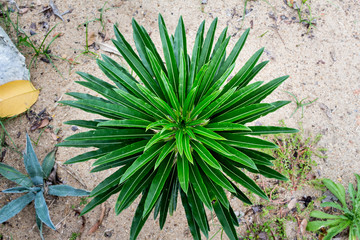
pixel 16 97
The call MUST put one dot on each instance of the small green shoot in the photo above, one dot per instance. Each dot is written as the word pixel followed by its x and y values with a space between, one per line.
pixel 304 13
pixel 22 39
pixel 87 51
pixel 74 236
pixel 300 104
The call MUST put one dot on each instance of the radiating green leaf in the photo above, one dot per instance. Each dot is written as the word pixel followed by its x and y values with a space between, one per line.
pixel 169 54
pixel 198 211
pixel 196 56
pixel 199 186
pixel 322 215
pixel 193 226
pixel 42 210
pixel 109 182
pixel 32 164
pixel 122 152
pixel 205 155
pixel 216 191
pixel 225 126
pixel 14 175
pixel 225 220
pixel 207 133
pixel 15 206
pixel 187 149
pixel 246 142
pixel 157 184
pixel 134 186
pixel 169 147
pixel 233 54
pixel 48 163
pixel 65 190
pixel 109 134
pixel 18 190
pixel 240 113
pixel 139 218
pixel 238 176
pixel 244 71
pixel 180 141
pixel 134 62
pixel 84 123
pixel 207 46
pixel 125 123
pixel 212 69
pixel 214 145
pixel 142 160
pixel 158 137
pixel 183 172
pixel 204 103
pixel 100 199
pixel 239 157
pixel 215 175
pixel 316 225
pixel 182 78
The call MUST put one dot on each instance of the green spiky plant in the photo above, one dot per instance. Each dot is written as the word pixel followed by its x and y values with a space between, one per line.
pixel 35 187
pixel 350 217
pixel 177 127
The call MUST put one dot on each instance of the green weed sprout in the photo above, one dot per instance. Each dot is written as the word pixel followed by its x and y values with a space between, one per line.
pixel 300 104
pixel 34 186
pixel 178 127
pixel 350 217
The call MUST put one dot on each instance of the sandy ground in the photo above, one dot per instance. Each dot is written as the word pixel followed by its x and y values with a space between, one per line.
pixel 323 64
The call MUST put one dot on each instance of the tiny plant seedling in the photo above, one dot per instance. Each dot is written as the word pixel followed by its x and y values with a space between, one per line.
pixel 22 39
pixel 35 186
pixel 305 15
pixel 300 104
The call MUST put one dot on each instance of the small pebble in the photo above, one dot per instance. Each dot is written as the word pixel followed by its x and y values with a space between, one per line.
pixel 74 128
pixel 203 1
pixel 32 32
pixel 283 17
pixel 108 233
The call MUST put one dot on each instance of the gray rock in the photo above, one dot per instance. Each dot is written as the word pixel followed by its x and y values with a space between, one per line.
pixel 12 62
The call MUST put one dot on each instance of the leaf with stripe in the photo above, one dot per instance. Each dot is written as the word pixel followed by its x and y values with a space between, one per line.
pixel 168 148
pixel 198 211
pixel 121 153
pixel 195 58
pixel 193 226
pixel 183 172
pixel 169 54
pixel 199 186
pixel 158 137
pixel 226 126
pixel 157 184
pixel 238 176
pixel 216 175
pixel 142 160
pixel 187 148
pixel 207 133
pixel 128 123
pixel 225 220
pixel 246 142
pixel 242 112
pixel 205 155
